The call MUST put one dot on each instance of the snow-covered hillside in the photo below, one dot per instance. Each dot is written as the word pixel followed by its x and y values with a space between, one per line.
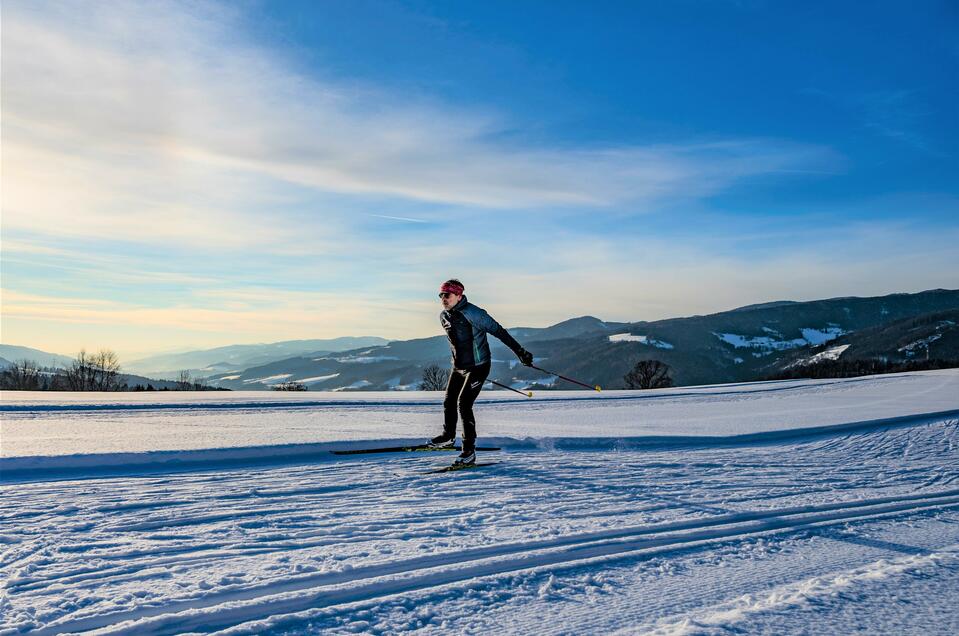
pixel 780 507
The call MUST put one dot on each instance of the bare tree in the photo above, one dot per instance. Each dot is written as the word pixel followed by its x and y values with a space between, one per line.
pixel 106 370
pixel 22 375
pixel 184 381
pixel 79 375
pixel 648 374
pixel 435 378
pixel 97 372
pixel 57 381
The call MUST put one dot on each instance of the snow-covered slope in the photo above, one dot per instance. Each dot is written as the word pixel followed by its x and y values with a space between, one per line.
pixel 789 507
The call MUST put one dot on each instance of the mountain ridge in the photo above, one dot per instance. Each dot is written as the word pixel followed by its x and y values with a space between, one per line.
pixel 727 346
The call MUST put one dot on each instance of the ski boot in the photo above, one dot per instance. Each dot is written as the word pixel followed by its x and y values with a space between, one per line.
pixel 466 458
pixel 439 443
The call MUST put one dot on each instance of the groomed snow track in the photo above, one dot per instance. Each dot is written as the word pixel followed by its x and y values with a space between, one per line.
pixel 589 549
pixel 565 536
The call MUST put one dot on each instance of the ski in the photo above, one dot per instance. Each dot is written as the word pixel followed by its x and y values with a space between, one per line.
pixel 457 467
pixel 407 449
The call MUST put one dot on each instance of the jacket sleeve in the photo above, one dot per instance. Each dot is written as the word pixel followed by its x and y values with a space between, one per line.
pixel 484 321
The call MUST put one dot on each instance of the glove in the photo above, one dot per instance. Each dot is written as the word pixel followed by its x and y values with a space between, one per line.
pixel 525 357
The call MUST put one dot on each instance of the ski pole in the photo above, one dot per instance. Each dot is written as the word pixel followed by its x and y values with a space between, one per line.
pixel 563 377
pixel 526 393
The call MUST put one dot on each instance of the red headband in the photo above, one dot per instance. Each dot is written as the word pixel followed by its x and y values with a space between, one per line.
pixel 452 288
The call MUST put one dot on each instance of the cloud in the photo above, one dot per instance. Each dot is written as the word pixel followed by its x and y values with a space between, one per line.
pixel 898 114
pixel 227 317
pixel 174 180
pixel 399 218
pixel 628 277
pixel 162 122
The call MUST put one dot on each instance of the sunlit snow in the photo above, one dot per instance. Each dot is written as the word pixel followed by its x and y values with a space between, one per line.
pixel 628 337
pixel 810 506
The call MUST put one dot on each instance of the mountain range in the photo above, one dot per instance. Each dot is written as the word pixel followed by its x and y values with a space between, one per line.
pixel 13 353
pixel 742 344
pixel 238 357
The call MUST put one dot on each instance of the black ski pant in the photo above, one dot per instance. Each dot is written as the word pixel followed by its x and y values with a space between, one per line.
pixel 463 388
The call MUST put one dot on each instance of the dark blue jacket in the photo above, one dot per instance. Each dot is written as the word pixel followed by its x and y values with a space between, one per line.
pixel 466 326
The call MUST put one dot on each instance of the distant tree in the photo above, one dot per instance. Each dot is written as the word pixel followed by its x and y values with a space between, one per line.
pixel 435 378
pixel 56 381
pixel 79 375
pixel 648 374
pixel 184 381
pixel 292 385
pixel 22 375
pixel 858 367
pixel 93 372
pixel 106 375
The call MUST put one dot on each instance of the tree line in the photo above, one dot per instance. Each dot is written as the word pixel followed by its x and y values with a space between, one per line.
pixel 855 368
pixel 101 371
pixel 98 371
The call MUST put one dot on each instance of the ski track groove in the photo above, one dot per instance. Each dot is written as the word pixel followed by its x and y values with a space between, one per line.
pixel 526 556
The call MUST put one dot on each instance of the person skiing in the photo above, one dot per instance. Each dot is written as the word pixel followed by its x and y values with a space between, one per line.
pixel 466 326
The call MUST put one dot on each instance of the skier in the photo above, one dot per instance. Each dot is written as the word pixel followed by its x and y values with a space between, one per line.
pixel 466 327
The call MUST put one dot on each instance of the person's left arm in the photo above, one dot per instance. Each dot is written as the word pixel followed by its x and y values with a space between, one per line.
pixel 486 322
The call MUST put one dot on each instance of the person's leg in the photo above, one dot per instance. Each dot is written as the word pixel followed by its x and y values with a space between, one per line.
pixel 453 389
pixel 474 384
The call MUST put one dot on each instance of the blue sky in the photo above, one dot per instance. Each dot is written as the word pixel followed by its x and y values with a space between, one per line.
pixel 192 174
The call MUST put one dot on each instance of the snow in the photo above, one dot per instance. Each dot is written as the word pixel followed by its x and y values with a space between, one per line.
pixel 394 385
pixel 628 337
pixel 550 381
pixel 318 378
pixel 764 342
pixel 809 592
pixel 820 336
pixel 365 359
pixel 769 343
pixel 832 353
pixel 827 506
pixel 359 384
pixel 230 377
pixel 268 379
pixel 912 347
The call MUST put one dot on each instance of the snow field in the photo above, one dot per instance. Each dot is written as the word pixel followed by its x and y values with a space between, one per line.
pixel 34 425
pixel 856 526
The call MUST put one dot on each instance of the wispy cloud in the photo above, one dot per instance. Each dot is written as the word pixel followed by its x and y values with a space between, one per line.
pixel 161 122
pixel 169 179
pixel 399 218
pixel 252 315
pixel 896 113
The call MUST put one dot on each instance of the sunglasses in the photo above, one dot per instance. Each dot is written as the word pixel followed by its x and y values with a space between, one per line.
pixel 445 294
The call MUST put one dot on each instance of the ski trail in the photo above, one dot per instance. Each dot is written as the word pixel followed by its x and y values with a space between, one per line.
pixel 208 431
pixel 584 540
pixel 724 616
pixel 192 615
